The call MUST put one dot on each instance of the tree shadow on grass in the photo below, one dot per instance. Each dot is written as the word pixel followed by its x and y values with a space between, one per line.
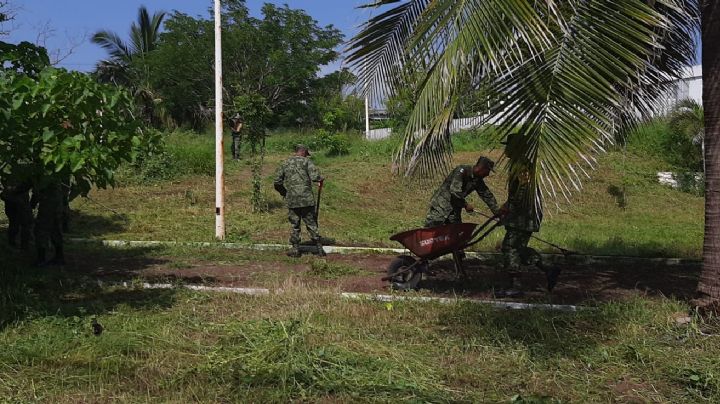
pixel 545 335
pixel 74 290
pixel 82 224
pixel 579 283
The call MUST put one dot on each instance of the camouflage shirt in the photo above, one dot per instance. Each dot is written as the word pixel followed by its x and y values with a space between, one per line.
pixel 293 180
pixel 523 214
pixel 457 186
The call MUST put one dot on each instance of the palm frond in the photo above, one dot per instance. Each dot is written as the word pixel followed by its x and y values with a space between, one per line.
pixel 376 54
pixel 116 47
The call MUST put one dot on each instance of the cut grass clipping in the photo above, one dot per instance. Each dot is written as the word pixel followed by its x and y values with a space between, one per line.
pixel 330 270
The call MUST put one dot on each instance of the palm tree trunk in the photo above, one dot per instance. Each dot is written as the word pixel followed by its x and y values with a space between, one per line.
pixel 709 286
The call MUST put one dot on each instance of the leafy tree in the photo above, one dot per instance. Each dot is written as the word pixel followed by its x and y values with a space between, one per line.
pixel 61 124
pixel 277 57
pixel 254 113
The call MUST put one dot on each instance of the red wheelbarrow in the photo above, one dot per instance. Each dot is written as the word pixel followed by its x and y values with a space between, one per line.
pixel 405 272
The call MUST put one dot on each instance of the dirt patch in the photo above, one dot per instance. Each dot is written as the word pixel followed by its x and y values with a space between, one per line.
pixel 577 284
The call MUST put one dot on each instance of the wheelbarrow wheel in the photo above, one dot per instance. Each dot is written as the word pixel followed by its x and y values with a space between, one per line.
pixel 403 279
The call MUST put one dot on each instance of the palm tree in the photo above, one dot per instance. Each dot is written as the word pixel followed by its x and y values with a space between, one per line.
pixel 125 66
pixel 144 38
pixel 709 287
pixel 687 123
pixel 566 75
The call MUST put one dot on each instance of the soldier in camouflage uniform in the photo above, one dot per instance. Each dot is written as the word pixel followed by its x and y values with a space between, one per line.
pixel 236 125
pixel 523 218
pixel 293 180
pixel 18 212
pixel 448 201
pixel 48 225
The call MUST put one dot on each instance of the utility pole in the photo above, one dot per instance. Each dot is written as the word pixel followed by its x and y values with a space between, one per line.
pixel 367 118
pixel 219 163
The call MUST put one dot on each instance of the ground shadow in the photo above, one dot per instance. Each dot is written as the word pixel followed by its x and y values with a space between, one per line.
pixel 619 195
pixel 578 283
pixel 91 283
pixel 82 224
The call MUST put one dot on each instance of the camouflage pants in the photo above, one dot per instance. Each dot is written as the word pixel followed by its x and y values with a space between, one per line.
pixel 516 251
pixel 48 228
pixel 439 216
pixel 307 215
pixel 236 143
pixel 19 222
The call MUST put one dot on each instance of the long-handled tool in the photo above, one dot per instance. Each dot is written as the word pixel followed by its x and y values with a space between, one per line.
pixel 564 251
pixel 317 203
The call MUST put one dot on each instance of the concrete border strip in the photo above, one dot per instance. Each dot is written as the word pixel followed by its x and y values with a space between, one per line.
pixel 551 258
pixel 364 296
pixel 201 288
pixel 446 300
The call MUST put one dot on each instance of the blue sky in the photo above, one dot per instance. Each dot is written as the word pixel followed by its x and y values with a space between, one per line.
pixel 70 20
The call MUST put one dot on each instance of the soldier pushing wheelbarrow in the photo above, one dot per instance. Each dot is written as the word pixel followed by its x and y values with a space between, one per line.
pixel 444 232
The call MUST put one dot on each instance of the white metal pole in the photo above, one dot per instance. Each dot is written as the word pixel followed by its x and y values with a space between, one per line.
pixel 219 169
pixel 367 118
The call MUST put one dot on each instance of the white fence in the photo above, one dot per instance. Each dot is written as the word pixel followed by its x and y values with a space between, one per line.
pixel 456 126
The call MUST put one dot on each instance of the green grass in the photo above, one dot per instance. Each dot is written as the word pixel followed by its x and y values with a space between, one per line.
pixel 621 210
pixel 307 344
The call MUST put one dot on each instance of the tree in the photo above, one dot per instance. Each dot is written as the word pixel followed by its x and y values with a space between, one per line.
pixel 687 134
pixel 276 57
pixel 566 75
pixel 126 65
pixel 59 124
pixel 708 298
pixel 144 36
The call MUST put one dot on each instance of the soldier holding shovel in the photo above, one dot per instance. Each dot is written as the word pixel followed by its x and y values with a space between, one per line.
pixel 293 180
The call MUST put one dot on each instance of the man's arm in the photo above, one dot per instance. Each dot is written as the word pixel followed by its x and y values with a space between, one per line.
pixel 279 183
pixel 457 196
pixel 313 171
pixel 487 196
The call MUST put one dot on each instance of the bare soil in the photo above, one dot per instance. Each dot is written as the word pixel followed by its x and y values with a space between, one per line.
pixel 577 284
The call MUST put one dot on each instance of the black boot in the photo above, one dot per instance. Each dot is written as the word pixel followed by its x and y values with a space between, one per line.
pixel 40 259
pixel 551 275
pixel 294 252
pixel 320 250
pixel 59 258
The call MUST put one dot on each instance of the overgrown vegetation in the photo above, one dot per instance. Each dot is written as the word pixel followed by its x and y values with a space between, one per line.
pixel 310 345
pixel 363 203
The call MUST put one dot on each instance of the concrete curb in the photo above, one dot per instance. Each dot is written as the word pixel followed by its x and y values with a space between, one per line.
pixel 359 296
pixel 484 256
pixel 446 300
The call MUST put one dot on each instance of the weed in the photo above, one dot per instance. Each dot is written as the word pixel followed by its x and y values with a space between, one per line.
pixel 330 270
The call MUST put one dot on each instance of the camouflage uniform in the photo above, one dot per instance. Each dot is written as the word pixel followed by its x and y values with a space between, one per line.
pixel 48 226
pixel 236 137
pixel 293 180
pixel 448 201
pixel 520 223
pixel 19 213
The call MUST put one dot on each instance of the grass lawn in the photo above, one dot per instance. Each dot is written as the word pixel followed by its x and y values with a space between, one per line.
pixel 307 344
pixel 363 204
pixel 304 343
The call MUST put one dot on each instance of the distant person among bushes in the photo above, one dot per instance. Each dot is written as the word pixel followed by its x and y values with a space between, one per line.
pixel 236 125
pixel 18 211
pixel 48 196
pixel 524 215
pixel 448 201
pixel 293 180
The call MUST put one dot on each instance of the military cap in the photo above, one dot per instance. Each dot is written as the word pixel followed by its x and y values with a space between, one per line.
pixel 301 146
pixel 486 162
